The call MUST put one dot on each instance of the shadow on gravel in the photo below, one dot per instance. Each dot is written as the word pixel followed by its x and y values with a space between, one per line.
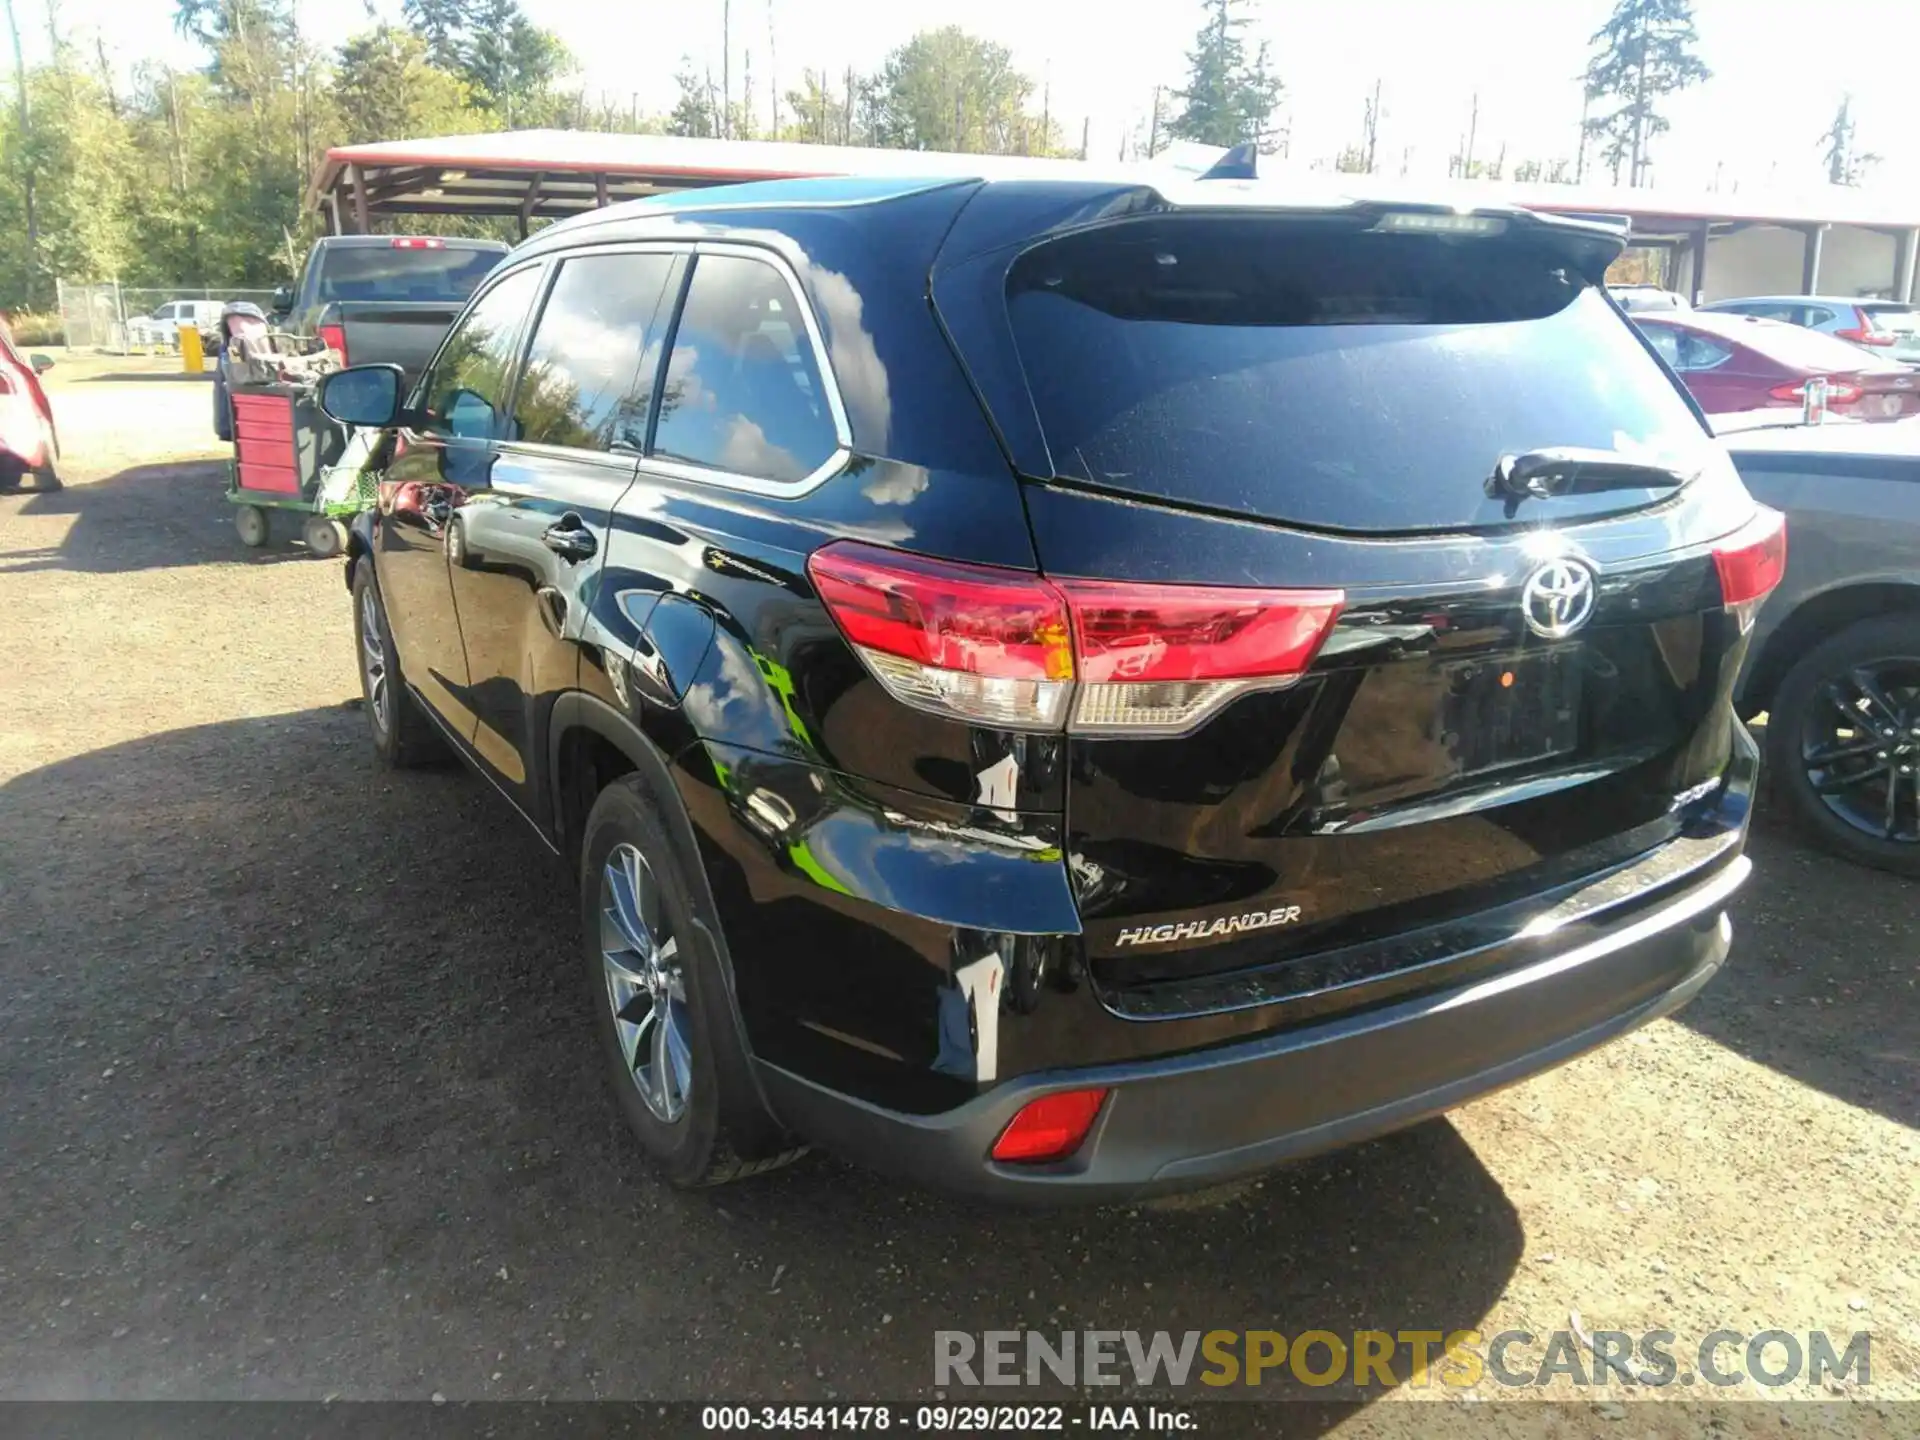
pixel 148 517
pixel 300 1097
pixel 1824 981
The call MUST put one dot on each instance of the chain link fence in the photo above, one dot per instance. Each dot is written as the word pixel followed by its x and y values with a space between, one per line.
pixel 121 319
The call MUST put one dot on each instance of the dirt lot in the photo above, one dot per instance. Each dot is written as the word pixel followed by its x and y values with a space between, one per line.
pixel 297 1097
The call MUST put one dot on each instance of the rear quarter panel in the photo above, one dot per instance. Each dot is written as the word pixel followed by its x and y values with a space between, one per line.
pixel 1852 521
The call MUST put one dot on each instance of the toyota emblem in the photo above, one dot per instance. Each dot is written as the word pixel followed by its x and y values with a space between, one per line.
pixel 1557 599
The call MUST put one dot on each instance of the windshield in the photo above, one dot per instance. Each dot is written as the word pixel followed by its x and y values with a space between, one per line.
pixel 1342 379
pixel 383 272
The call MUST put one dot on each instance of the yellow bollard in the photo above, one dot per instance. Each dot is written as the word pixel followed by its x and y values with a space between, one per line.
pixel 192 359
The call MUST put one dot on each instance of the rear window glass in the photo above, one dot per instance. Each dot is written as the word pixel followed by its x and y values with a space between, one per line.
pixel 384 272
pixel 1334 378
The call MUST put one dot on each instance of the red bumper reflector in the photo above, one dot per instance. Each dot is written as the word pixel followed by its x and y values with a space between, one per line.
pixel 1050 1128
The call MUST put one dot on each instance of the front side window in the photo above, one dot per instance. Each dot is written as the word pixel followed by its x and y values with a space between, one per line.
pixel 468 386
pixel 590 369
pixel 743 393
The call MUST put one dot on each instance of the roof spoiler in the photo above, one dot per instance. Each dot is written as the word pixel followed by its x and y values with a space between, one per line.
pixel 1622 223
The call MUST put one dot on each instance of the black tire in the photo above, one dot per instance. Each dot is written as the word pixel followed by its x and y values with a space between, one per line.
pixel 402 736
pixel 723 1132
pixel 1800 706
pixel 253 526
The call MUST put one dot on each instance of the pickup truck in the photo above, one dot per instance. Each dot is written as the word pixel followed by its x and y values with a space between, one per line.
pixel 377 299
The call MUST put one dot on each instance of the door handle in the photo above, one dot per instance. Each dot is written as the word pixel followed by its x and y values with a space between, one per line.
pixel 570 538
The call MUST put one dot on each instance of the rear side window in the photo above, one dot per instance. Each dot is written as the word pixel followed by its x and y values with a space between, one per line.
pixel 589 374
pixel 390 272
pixel 1350 380
pixel 743 393
pixel 1687 350
pixel 468 384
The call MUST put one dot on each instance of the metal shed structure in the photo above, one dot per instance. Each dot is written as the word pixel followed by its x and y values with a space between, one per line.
pixel 551 174
pixel 1825 239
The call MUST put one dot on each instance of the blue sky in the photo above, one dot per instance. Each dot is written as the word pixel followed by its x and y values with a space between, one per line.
pixel 1757 123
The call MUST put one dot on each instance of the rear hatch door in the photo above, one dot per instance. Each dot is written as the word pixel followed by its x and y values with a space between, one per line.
pixel 1527 683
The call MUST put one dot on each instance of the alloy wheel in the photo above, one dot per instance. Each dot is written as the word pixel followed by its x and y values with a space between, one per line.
pixel 645 984
pixel 373 659
pixel 1860 746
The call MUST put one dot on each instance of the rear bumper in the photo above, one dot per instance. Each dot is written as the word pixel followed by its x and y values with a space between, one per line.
pixel 1218 1114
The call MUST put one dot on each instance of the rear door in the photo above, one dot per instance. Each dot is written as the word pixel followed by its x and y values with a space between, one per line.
pixel 526 546
pixel 1518 689
pixel 431 467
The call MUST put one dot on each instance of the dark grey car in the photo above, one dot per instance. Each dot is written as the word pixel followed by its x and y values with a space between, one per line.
pixel 1835 659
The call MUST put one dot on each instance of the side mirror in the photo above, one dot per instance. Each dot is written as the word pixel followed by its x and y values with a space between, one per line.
pixel 362 395
pixel 282 299
pixel 41 363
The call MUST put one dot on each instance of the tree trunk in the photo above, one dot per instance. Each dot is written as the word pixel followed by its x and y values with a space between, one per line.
pixel 26 156
pixel 1640 110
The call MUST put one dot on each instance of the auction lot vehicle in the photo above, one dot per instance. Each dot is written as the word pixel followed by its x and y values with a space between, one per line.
pixel 375 299
pixel 1890 328
pixel 29 445
pixel 1636 298
pixel 1736 363
pixel 162 326
pixel 384 298
pixel 1075 688
pixel 1835 660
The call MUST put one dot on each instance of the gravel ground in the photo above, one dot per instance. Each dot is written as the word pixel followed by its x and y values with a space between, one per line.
pixel 297 1095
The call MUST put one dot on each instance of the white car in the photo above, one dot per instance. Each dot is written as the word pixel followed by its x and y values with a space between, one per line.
pixel 162 327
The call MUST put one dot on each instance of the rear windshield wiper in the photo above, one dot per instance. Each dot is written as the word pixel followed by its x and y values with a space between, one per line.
pixel 1574 470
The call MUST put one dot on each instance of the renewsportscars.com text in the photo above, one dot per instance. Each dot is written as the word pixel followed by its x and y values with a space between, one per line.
pixel 1459 1359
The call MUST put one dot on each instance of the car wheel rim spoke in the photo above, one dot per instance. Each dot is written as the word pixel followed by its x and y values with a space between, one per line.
pixel 645 984
pixel 1860 748
pixel 373 658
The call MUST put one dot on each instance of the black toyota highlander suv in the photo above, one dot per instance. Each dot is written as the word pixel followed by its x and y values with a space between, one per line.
pixel 1075 686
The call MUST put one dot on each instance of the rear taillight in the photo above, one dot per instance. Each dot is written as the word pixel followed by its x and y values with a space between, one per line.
pixel 1157 659
pixel 1751 561
pixel 1839 392
pixel 418 242
pixel 1863 331
pixel 1050 1128
pixel 1011 649
pixel 334 337
pixel 971 641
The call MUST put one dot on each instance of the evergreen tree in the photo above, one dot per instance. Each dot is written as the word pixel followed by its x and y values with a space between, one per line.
pixel 385 88
pixel 1845 165
pixel 1644 53
pixel 1229 99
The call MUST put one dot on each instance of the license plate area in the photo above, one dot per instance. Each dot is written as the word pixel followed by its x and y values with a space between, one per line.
pixel 1503 711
